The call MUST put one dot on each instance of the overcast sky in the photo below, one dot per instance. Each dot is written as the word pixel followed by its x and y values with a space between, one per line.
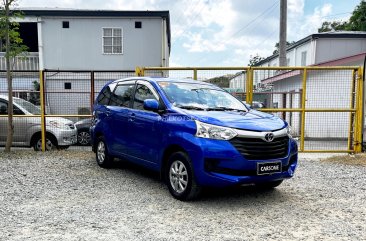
pixel 223 32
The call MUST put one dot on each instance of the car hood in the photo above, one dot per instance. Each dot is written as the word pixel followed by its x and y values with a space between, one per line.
pixel 252 120
pixel 59 119
pixel 84 122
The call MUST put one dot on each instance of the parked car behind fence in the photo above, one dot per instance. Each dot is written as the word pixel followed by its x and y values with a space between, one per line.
pixel 60 132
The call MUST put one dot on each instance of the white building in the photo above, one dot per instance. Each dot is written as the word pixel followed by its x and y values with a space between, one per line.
pixel 325 89
pixel 64 39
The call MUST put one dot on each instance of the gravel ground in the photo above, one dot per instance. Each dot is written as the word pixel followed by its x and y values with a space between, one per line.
pixel 65 196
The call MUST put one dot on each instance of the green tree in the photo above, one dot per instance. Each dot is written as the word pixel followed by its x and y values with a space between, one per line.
pixel 333 26
pixel 9 35
pixel 357 21
pixel 277 46
pixel 255 60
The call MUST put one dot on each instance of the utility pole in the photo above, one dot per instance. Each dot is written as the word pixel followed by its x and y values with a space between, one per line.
pixel 283 33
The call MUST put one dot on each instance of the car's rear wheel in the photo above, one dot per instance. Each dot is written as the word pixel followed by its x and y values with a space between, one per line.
pixel 83 137
pixel 269 185
pixel 180 177
pixel 102 156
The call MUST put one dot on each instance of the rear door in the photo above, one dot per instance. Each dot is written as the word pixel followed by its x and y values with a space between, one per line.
pixel 19 123
pixel 119 110
pixel 3 121
pixel 144 125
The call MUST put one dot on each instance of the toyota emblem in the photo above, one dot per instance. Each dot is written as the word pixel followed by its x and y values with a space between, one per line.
pixel 269 137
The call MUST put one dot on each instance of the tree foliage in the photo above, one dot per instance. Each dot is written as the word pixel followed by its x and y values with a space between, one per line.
pixel 255 60
pixel 332 26
pixel 13 46
pixel 277 46
pixel 221 81
pixel 357 21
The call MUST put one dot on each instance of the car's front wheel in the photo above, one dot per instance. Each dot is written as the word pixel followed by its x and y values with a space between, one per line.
pixel 102 156
pixel 50 144
pixel 180 177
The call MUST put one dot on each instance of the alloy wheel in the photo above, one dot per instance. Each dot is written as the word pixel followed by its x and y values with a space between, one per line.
pixel 101 152
pixel 178 176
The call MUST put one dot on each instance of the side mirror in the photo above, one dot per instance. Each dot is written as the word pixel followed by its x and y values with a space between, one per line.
pixel 151 104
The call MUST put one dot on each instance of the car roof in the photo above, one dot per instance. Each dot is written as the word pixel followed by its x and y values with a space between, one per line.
pixel 163 79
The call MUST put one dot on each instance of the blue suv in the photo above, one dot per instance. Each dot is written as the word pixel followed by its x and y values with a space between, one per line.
pixel 194 133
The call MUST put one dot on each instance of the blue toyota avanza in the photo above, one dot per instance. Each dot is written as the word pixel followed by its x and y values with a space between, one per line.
pixel 194 133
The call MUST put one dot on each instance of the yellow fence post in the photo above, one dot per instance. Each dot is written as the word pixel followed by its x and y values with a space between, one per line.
pixel 359 106
pixel 352 114
pixel 249 86
pixel 303 106
pixel 43 109
pixel 195 74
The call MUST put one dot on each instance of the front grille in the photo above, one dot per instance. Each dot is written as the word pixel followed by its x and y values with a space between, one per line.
pixel 258 149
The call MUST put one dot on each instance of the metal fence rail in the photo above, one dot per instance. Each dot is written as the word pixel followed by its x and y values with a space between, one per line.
pixel 61 96
pixel 324 105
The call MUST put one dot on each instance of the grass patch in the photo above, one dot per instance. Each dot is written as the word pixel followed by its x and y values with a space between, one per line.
pixel 358 159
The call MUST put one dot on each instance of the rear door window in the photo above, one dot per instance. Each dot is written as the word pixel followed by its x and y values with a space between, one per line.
pixel 122 95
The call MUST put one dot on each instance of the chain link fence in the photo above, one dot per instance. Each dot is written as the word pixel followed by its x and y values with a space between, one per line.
pixel 56 103
pixel 323 105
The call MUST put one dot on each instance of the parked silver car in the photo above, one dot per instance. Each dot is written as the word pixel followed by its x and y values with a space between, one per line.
pixel 60 132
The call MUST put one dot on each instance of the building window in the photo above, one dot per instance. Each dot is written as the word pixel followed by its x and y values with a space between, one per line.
pixel 303 58
pixel 67 86
pixel 65 24
pixel 112 41
pixel 138 24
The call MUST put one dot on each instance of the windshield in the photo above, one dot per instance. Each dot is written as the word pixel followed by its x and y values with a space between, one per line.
pixel 27 106
pixel 200 96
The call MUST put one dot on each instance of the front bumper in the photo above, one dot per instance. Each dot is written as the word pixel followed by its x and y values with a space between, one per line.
pixel 66 137
pixel 220 164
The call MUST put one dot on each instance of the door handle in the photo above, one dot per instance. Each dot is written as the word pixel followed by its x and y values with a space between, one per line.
pixel 108 112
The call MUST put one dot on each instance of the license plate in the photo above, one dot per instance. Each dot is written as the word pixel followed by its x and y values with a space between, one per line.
pixel 269 168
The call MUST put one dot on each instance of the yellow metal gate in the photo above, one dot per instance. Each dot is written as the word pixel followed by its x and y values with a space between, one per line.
pixel 324 105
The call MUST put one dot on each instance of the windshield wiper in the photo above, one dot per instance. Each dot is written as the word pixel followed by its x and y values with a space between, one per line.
pixel 222 108
pixel 190 107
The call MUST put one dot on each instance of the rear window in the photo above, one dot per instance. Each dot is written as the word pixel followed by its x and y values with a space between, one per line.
pixel 104 96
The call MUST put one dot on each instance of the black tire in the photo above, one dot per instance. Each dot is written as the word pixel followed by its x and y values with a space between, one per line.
pixel 83 137
pixel 180 178
pixel 102 156
pixel 269 185
pixel 51 144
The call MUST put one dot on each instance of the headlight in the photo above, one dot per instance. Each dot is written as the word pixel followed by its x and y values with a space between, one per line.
pixel 59 125
pixel 214 132
pixel 289 130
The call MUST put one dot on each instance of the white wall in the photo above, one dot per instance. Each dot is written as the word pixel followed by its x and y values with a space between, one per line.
pixel 80 45
pixel 332 49
pixel 238 82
